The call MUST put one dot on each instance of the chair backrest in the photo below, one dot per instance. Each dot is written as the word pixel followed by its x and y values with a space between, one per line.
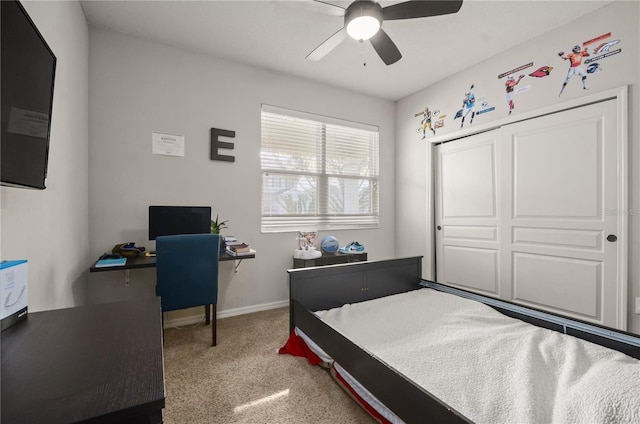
pixel 187 270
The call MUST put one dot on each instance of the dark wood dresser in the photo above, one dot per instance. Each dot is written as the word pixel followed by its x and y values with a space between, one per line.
pixel 95 364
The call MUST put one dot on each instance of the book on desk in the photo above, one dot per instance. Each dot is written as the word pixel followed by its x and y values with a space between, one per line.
pixel 238 249
pixel 106 263
pixel 248 253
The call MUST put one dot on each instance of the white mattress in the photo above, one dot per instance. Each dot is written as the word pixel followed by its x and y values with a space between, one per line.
pixel 489 367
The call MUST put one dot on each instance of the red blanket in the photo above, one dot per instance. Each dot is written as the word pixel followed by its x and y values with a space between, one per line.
pixel 297 347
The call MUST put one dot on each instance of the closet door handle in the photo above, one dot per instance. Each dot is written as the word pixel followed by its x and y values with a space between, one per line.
pixel 611 238
pixel 439 228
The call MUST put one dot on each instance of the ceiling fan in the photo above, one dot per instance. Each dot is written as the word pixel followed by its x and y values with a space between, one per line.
pixel 363 21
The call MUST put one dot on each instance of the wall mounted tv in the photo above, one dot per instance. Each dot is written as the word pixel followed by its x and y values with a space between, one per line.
pixel 172 220
pixel 27 74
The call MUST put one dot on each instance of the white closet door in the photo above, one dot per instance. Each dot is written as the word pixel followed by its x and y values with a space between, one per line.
pixel 525 213
pixel 467 213
pixel 560 205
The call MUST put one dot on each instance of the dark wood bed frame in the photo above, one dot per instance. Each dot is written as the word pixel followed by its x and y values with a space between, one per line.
pixel 321 288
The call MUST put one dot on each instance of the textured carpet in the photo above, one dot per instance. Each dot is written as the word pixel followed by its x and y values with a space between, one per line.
pixel 244 379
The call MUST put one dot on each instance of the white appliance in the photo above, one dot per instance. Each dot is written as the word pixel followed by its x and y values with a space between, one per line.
pixel 13 292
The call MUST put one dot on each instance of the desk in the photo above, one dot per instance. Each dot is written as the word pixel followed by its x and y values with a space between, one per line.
pixel 97 364
pixel 143 261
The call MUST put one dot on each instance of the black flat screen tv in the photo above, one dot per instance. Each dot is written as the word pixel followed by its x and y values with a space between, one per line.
pixel 27 71
pixel 172 220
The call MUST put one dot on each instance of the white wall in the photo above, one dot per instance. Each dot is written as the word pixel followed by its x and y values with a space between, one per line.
pixel 50 228
pixel 139 86
pixel 413 171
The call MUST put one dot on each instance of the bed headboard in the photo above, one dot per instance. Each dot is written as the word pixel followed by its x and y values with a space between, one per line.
pixel 332 286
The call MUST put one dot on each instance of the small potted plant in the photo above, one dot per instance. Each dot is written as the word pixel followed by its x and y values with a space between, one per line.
pixel 216 226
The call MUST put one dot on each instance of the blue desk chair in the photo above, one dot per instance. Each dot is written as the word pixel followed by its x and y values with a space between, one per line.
pixel 187 273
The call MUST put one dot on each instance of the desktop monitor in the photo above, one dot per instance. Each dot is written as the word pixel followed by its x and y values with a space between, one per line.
pixel 171 220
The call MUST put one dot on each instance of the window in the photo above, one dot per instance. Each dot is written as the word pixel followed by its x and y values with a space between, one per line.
pixel 318 173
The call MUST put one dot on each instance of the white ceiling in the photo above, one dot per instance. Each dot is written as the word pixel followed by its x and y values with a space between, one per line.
pixel 278 35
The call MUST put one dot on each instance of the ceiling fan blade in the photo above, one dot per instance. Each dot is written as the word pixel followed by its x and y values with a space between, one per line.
pixel 325 7
pixel 386 48
pixel 420 9
pixel 328 45
pixel 314 6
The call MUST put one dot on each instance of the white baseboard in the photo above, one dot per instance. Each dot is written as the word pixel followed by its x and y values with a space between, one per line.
pixel 254 308
pixel 195 319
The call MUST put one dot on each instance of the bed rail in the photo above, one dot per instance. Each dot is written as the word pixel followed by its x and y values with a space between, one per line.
pixel 622 341
pixel 408 401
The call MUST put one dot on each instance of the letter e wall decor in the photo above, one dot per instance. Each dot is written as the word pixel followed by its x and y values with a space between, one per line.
pixel 217 144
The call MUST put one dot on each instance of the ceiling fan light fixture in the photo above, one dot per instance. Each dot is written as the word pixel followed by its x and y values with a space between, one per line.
pixel 363 19
pixel 363 27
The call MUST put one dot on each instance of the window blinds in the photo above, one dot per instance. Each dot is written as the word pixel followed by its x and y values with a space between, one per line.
pixel 318 173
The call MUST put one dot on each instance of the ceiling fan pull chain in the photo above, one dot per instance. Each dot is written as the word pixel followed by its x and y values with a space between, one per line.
pixel 363 53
